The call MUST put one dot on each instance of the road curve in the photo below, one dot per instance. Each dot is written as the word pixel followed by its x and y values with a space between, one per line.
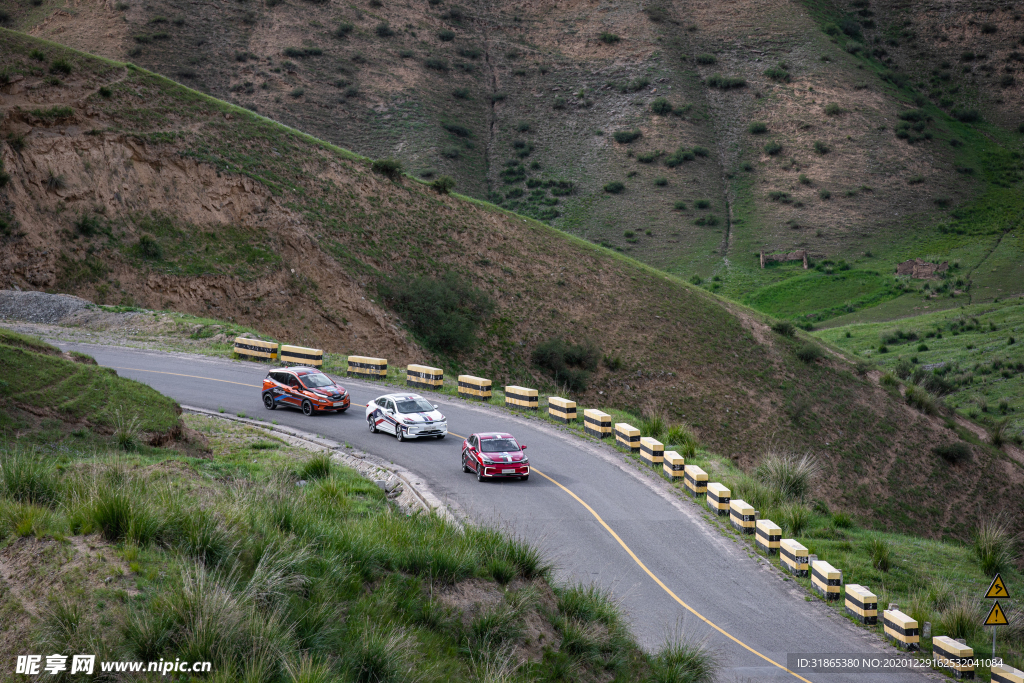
pixel 596 515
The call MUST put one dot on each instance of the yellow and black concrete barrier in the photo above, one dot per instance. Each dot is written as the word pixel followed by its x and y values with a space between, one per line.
pixel 474 387
pixel 768 536
pixel 521 397
pixel 367 368
pixel 562 409
pixel 826 579
pixel 424 377
pixel 901 630
pixel 695 480
pixel 674 467
pixel 257 349
pixel 956 658
pixel 794 556
pixel 652 451
pixel 597 423
pixel 718 498
pixel 627 436
pixel 1004 673
pixel 861 604
pixel 741 516
pixel 300 355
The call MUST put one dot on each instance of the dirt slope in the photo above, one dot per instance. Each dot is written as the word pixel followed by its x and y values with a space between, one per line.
pixel 128 188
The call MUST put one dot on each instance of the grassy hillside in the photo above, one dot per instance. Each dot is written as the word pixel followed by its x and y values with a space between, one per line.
pixel 48 397
pixel 161 196
pixel 682 137
pixel 974 355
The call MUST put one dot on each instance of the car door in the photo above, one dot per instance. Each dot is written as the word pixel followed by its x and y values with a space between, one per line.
pixel 474 447
pixel 391 423
pixel 294 391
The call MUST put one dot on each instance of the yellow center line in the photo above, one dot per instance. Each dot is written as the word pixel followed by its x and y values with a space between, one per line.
pixel 663 586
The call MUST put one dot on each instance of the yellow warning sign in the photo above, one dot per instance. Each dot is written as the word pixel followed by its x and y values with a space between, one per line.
pixel 997 589
pixel 996 617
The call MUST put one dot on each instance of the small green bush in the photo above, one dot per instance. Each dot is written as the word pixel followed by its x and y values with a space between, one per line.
pixel 842 520
pixel 881 554
pixel 317 467
pixel 725 82
pixel 443 185
pixel 446 35
pixel 457 129
pixel 627 136
pixel 661 106
pixel 785 328
pixel 470 52
pixel 384 30
pixel 679 157
pixel 773 148
pixel 820 147
pixel 436 63
pixel 461 93
pixel 61 66
pixel 809 353
pixel 149 248
pixel 661 181
pixel 757 128
pixel 443 312
pixel 795 518
pixel 343 29
pixel 569 365
pixel 953 453
pixel 706 59
pixel 833 109
pixel 390 168
pixel 614 187
pixel 702 204
pixel 995 545
pixel 608 38
pixel 679 206
pixel 778 74
pixel 824 194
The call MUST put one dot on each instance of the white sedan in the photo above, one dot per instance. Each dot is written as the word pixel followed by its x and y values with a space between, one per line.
pixel 407 416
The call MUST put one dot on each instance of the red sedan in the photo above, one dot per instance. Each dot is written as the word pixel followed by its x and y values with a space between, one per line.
pixel 495 455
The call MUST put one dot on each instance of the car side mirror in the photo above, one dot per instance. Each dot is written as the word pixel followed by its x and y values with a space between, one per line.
pixel 522 447
pixel 435 406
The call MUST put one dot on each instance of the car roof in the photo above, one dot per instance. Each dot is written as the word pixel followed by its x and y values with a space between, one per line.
pixel 298 370
pixel 401 397
pixel 495 435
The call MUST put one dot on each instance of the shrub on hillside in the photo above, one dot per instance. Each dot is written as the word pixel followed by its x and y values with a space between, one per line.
pixel 707 59
pixel 61 66
pixel 568 364
pixel 785 328
pixel 995 545
pixel 446 35
pixel 384 30
pixel 757 128
pixel 661 106
pixel 682 440
pixel 773 148
pixel 436 63
pixel 390 168
pixel 614 187
pixel 678 157
pixel 443 185
pixel 725 82
pixel 953 453
pixel 149 248
pixel 833 109
pixel 790 474
pixel 809 353
pixel 917 397
pixel 627 136
pixel 608 38
pixel 777 73
pixel 820 147
pixel 443 312
pixel 343 29
pixel 967 115
pixel 881 554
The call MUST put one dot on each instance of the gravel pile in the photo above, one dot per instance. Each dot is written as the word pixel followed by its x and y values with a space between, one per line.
pixel 39 307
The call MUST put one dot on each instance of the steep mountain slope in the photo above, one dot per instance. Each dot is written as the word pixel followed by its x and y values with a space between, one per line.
pixel 520 103
pixel 127 187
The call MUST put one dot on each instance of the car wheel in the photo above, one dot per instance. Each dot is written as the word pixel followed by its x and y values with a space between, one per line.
pixel 307 408
pixel 441 436
pixel 465 466
pixel 480 473
pixel 343 410
pixel 372 425
pixel 268 402
pixel 399 433
pixel 526 478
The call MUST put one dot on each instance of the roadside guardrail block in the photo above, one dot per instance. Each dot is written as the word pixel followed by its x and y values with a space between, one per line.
pixel 1004 673
pixel 474 387
pixel 861 604
pixel 257 349
pixel 367 367
pixel 718 498
pixel 627 436
pixel 695 480
pixel 424 377
pixel 826 579
pixel 597 423
pixel 954 657
pixel 562 409
pixel 794 556
pixel 652 451
pixel 674 466
pixel 741 516
pixel 903 631
pixel 768 536
pixel 300 355
pixel 521 397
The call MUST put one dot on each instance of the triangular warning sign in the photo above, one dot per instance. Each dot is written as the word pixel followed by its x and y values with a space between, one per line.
pixel 996 617
pixel 997 589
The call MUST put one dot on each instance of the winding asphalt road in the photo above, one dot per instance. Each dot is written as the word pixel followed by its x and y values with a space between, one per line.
pixel 596 515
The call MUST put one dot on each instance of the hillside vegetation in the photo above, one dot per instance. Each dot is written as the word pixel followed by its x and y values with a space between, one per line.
pixel 865 132
pixel 156 195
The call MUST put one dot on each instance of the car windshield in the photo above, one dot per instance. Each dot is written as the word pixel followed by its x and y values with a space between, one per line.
pixel 316 379
pixel 498 445
pixel 413 405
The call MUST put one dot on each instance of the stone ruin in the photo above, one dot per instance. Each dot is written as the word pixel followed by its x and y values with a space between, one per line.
pixel 922 270
pixel 791 256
